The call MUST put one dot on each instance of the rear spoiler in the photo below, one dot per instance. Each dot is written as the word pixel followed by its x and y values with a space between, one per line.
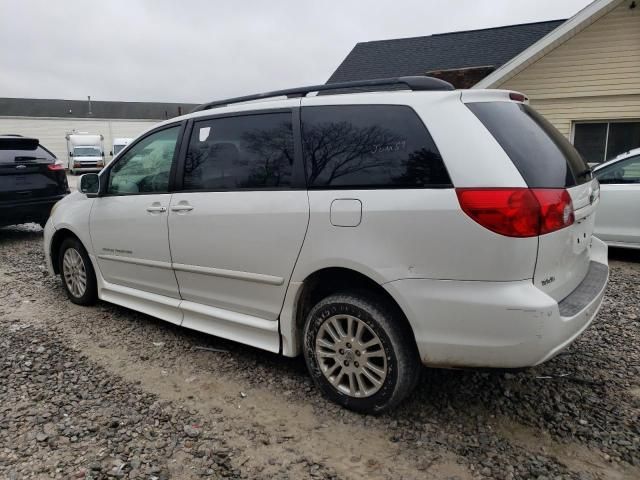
pixel 18 143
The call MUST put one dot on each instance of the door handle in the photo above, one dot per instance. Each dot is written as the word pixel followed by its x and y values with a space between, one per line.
pixel 156 209
pixel 181 208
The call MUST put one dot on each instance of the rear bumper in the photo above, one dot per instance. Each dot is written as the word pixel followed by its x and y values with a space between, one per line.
pixel 33 210
pixel 498 324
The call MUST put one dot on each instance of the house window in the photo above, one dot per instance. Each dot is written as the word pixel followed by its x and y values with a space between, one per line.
pixel 598 142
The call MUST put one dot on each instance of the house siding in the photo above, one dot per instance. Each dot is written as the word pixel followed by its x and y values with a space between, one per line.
pixel 593 76
pixel 562 113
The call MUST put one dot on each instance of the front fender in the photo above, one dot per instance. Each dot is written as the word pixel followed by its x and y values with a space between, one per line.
pixel 71 214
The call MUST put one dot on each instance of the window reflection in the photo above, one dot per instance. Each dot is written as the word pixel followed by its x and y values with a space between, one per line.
pixel 254 151
pixel 369 146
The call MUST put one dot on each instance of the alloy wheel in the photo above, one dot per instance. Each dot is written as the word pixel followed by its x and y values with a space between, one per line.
pixel 351 356
pixel 74 272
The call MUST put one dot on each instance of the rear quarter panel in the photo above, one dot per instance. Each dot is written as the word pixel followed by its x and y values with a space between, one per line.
pixel 422 233
pixel 413 233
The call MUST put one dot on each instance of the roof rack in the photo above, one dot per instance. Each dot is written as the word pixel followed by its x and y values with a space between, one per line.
pixel 412 83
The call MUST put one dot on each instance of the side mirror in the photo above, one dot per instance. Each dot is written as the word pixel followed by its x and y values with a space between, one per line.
pixel 111 153
pixel 90 184
pixel 71 154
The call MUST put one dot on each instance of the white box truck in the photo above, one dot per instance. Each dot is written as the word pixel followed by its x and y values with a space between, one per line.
pixel 118 145
pixel 85 152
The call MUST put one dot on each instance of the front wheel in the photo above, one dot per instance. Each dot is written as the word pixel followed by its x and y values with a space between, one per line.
pixel 76 270
pixel 360 353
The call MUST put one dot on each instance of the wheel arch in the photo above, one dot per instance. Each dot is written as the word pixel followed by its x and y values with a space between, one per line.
pixel 320 284
pixel 54 247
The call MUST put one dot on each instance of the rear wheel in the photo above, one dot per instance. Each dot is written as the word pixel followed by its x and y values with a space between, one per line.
pixel 360 353
pixel 76 271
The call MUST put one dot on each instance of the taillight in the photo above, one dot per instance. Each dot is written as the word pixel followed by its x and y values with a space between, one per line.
pixel 518 212
pixel 56 166
pixel 556 209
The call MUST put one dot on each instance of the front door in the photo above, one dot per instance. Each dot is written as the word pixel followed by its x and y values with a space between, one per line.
pixel 618 216
pixel 237 226
pixel 128 224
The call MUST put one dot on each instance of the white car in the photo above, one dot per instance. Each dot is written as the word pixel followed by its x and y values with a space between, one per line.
pixel 373 232
pixel 618 219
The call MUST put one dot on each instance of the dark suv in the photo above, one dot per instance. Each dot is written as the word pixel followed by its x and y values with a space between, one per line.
pixel 32 180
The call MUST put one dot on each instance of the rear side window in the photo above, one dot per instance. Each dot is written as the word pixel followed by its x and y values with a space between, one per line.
pixel 369 146
pixel 243 152
pixel 544 157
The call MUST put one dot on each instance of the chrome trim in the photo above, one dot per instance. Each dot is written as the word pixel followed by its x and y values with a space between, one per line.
pixel 181 208
pixel 156 209
pixel 237 275
pixel 216 272
pixel 137 261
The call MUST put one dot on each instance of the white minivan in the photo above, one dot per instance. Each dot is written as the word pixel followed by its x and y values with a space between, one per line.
pixel 373 232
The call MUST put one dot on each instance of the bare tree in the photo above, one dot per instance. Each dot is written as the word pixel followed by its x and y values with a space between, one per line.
pixel 273 152
pixel 423 167
pixel 336 149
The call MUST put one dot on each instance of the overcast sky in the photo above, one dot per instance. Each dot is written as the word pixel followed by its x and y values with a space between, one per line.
pixel 197 50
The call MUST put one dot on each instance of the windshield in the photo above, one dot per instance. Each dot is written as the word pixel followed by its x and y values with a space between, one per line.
pixel 86 152
pixel 117 149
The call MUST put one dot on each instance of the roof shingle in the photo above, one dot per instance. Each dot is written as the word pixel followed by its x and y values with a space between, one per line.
pixel 418 55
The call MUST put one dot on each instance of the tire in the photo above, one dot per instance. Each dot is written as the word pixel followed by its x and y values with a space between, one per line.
pixel 393 351
pixel 77 262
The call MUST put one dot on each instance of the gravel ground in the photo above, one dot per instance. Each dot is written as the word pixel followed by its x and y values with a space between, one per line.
pixel 105 392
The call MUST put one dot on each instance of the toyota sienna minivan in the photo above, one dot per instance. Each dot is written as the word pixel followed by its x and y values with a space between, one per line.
pixel 371 231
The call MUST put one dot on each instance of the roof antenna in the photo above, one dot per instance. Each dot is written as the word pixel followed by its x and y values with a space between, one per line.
pixel 89 98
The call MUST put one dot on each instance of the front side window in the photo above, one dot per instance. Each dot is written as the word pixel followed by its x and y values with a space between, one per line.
pixel 622 172
pixel 146 167
pixel 598 142
pixel 243 152
pixel 369 146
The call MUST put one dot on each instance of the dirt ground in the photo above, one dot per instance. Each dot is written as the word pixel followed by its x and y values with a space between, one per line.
pixel 105 392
